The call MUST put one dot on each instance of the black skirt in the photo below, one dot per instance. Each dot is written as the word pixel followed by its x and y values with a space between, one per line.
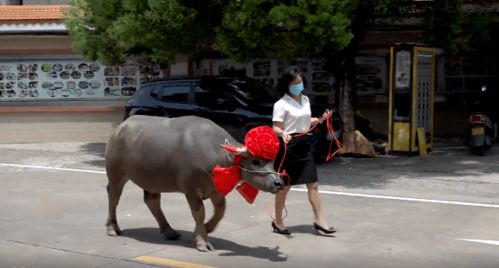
pixel 299 163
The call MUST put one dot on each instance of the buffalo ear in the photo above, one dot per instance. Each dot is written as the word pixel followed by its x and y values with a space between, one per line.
pixel 230 148
pixel 244 152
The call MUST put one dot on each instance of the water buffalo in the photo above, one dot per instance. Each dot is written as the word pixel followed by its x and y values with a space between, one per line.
pixel 178 155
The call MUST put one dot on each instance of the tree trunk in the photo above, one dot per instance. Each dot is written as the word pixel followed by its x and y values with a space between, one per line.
pixel 353 141
pixel 345 110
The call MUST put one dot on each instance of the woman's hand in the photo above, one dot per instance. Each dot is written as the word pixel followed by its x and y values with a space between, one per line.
pixel 321 119
pixel 278 128
pixel 286 137
pixel 314 121
pixel 325 115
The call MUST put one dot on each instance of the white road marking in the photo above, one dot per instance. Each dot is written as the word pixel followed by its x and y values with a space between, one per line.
pixel 410 199
pixel 490 242
pixel 388 197
pixel 54 168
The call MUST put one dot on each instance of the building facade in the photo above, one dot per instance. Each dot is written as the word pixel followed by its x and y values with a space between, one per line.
pixel 39 67
pixel 37 61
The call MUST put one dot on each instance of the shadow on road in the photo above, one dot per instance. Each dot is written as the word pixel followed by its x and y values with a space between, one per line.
pixel 152 235
pixel 444 163
pixel 95 149
pixel 304 229
pixel 448 161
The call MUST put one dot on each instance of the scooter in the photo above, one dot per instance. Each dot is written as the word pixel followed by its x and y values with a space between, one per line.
pixel 480 133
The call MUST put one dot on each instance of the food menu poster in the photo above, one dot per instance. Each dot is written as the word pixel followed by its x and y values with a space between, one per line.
pixel 71 79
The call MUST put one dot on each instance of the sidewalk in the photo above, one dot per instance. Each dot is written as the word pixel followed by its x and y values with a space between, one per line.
pixel 78 122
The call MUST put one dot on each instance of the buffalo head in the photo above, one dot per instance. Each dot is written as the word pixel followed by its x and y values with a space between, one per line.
pixel 260 173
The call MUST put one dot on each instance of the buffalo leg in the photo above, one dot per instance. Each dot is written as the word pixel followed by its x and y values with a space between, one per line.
pixel 153 202
pixel 198 213
pixel 114 190
pixel 218 201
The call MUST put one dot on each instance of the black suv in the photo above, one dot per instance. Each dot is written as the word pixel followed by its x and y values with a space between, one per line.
pixel 235 103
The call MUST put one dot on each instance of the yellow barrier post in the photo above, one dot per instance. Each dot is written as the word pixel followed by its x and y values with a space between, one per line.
pixel 422 142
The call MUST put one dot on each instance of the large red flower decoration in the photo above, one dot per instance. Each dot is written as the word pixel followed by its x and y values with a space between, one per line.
pixel 262 142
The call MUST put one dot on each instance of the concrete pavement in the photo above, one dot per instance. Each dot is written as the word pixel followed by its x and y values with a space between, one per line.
pixel 56 121
pixel 53 207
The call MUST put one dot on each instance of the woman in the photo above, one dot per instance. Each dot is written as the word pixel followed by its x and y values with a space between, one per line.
pixel 291 120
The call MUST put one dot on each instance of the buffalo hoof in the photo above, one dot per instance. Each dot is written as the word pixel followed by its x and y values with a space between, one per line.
pixel 112 231
pixel 172 235
pixel 204 247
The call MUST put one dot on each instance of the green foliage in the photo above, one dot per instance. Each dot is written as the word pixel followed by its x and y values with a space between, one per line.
pixel 157 30
pixel 449 27
pixel 153 30
pixel 300 28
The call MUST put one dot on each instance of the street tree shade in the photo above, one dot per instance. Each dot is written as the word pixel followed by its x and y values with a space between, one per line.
pixel 112 31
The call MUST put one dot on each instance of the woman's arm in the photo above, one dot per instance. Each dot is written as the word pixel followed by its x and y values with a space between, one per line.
pixel 278 128
pixel 315 120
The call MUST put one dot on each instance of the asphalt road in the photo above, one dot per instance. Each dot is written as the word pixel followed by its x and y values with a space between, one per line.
pixel 392 211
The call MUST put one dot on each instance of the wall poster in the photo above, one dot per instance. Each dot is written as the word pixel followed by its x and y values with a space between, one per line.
pixel 371 75
pixel 402 69
pixel 70 79
pixel 315 77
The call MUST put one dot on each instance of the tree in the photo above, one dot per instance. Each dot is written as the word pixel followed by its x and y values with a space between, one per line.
pixel 462 27
pixel 157 30
pixel 329 29
pixel 469 28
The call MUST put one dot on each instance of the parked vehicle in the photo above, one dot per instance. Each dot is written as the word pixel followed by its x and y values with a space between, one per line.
pixel 480 133
pixel 235 103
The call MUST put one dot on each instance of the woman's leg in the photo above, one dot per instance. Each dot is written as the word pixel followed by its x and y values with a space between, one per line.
pixel 315 201
pixel 280 200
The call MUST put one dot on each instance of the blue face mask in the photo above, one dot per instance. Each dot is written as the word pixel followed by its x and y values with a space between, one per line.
pixel 296 89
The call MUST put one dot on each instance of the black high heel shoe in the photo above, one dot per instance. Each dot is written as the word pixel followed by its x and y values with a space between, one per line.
pixel 280 231
pixel 323 231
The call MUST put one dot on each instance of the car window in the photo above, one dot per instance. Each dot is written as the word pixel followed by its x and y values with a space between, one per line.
pixel 139 94
pixel 175 93
pixel 207 95
pixel 252 91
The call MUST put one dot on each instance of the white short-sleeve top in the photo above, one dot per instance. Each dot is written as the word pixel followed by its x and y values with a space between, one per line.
pixel 293 114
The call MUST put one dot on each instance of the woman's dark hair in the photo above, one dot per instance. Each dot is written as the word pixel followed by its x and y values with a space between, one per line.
pixel 286 78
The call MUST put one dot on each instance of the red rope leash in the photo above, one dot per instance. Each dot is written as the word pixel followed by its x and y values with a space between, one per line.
pixel 332 134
